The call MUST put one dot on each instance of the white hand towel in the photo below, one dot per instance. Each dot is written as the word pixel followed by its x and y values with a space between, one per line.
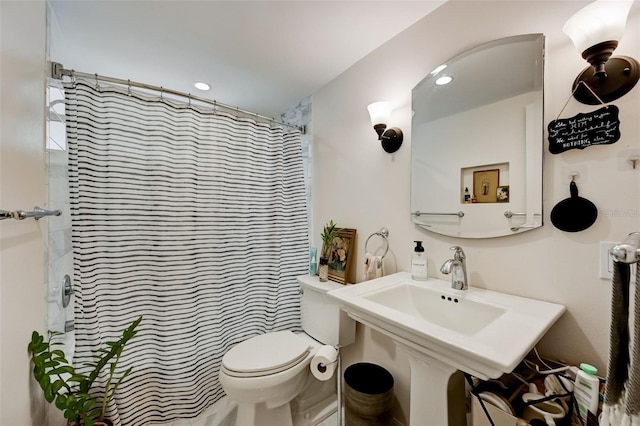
pixel 372 266
pixel 368 265
pixel 377 266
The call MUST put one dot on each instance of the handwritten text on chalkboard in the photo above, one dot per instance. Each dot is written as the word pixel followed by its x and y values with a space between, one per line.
pixel 601 127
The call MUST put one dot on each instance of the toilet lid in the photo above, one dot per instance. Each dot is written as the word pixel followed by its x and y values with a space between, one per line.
pixel 265 354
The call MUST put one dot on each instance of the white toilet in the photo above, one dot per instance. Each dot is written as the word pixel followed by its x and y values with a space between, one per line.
pixel 269 375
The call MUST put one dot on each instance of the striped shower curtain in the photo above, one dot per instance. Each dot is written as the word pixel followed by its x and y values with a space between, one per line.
pixel 190 217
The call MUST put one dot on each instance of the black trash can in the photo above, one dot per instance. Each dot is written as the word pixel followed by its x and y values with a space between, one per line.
pixel 368 395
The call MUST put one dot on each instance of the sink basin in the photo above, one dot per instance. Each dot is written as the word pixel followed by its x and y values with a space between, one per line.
pixel 453 312
pixel 481 332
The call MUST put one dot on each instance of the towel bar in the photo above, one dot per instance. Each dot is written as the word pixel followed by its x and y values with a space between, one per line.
pixel 628 251
pixel 36 213
pixel 419 213
pixel 519 227
pixel 509 214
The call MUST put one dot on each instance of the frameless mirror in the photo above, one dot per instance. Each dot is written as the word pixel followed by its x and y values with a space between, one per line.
pixel 477 141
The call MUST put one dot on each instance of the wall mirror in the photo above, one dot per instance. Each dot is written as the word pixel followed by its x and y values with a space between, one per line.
pixel 477 141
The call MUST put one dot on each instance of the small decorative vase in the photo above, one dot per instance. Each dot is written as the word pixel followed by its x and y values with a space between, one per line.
pixel 323 269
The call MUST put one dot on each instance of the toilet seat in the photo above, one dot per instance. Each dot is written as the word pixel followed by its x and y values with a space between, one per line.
pixel 278 351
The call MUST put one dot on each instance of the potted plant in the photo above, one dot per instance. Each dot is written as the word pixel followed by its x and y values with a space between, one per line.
pixel 72 391
pixel 327 235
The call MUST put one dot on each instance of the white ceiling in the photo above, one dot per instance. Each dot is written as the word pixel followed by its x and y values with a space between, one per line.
pixel 261 56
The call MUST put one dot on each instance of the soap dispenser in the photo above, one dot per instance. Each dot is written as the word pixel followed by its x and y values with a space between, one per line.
pixel 419 263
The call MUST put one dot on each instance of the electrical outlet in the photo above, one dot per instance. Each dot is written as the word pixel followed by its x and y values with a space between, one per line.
pixel 606 263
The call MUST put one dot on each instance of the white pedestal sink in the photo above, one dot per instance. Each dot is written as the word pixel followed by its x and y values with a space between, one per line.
pixel 480 332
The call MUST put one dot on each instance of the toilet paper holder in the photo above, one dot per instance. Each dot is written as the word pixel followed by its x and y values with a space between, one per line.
pixel 323 366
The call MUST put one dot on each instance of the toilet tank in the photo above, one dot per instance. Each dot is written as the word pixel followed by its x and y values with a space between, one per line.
pixel 321 317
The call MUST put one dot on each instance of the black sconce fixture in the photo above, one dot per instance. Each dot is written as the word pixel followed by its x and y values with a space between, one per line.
pixel 595 31
pixel 390 138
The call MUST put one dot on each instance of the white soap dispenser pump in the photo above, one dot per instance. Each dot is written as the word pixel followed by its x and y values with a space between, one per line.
pixel 419 263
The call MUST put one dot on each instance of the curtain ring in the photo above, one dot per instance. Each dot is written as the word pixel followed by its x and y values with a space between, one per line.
pixel 128 87
pixel 189 100
pixel 161 93
pixel 97 84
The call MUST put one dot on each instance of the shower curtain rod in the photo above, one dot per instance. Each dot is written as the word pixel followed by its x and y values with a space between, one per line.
pixel 58 72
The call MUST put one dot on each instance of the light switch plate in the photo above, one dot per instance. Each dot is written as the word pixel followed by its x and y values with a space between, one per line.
pixel 606 263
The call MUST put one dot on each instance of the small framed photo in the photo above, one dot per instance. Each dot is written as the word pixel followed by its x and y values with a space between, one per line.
pixel 502 194
pixel 340 254
pixel 485 185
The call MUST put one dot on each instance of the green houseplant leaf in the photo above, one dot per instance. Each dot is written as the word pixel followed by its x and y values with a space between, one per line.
pixel 328 234
pixel 70 390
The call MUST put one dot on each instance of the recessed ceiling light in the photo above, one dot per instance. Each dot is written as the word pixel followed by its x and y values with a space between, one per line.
pixel 444 80
pixel 201 85
pixel 438 69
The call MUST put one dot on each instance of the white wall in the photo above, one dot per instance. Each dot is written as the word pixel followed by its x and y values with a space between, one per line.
pixel 22 173
pixel 360 186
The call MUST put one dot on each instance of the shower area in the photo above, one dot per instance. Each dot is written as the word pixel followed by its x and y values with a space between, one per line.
pixel 189 213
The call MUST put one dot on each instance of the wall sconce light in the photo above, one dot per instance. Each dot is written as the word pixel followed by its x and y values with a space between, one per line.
pixel 390 138
pixel 595 31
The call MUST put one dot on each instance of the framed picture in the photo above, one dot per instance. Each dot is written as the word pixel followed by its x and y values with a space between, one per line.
pixel 485 185
pixel 340 255
pixel 502 194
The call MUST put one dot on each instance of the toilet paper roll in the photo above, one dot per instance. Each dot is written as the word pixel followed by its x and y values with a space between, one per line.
pixel 324 363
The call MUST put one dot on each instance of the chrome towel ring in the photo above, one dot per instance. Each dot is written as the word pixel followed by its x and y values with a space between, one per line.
pixel 382 233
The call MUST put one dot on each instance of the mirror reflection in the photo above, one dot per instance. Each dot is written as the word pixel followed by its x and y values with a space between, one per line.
pixel 477 141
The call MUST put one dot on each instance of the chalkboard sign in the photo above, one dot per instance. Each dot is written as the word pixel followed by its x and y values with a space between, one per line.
pixel 601 127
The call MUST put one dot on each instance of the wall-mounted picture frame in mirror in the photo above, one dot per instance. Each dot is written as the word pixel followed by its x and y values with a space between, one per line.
pixel 485 185
pixel 502 194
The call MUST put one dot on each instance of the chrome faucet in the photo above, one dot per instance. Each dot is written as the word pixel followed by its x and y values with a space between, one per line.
pixel 457 268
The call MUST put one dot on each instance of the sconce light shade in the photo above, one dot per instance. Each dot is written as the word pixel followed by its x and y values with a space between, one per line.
pixel 391 139
pixel 380 112
pixel 595 31
pixel 597 22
